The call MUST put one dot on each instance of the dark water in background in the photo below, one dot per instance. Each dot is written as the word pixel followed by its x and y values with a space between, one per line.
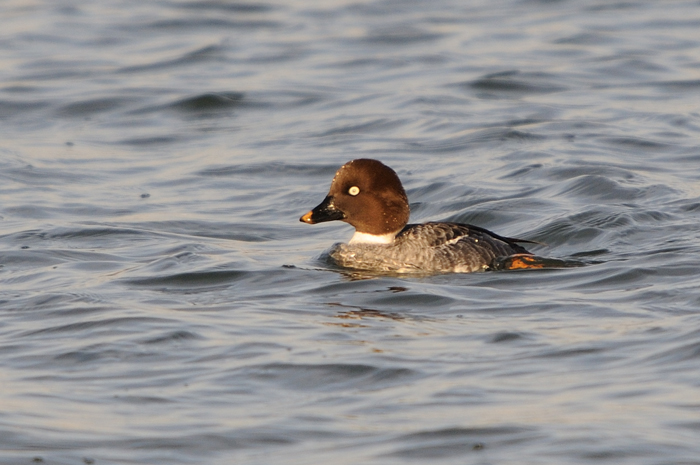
pixel 161 303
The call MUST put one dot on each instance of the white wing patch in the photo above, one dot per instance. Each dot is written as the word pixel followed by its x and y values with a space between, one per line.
pixel 453 241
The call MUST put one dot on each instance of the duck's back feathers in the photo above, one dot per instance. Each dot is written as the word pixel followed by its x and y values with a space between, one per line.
pixel 430 247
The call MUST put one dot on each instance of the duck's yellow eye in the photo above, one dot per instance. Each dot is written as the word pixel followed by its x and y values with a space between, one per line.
pixel 354 190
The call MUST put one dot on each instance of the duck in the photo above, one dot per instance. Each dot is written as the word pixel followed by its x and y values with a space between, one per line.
pixel 368 195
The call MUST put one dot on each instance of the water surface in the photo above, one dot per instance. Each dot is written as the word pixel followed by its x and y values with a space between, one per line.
pixel 160 302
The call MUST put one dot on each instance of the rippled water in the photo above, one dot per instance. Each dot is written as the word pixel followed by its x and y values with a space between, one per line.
pixel 161 303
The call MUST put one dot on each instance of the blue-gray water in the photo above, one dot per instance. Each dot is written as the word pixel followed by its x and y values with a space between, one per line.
pixel 161 303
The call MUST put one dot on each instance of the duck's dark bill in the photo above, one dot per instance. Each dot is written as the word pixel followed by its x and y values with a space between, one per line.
pixel 325 211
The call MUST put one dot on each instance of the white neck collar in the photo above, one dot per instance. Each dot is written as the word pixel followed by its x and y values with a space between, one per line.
pixel 364 238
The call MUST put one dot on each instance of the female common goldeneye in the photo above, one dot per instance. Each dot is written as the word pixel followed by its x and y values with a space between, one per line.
pixel 368 195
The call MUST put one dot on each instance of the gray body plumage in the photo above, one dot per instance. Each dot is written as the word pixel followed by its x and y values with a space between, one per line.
pixel 429 247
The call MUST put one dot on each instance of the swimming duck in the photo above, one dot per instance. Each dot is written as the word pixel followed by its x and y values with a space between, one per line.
pixel 368 195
